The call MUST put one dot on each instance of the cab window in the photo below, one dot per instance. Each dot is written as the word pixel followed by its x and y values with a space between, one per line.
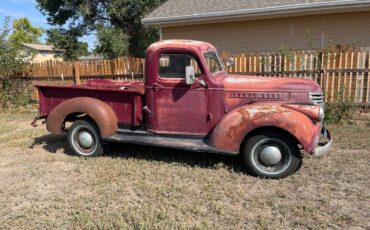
pixel 173 65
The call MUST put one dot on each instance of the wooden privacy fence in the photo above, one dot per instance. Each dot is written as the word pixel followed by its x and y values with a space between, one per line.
pixel 119 68
pixel 340 74
pixel 56 72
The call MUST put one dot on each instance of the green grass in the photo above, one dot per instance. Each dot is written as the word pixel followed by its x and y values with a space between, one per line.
pixel 136 187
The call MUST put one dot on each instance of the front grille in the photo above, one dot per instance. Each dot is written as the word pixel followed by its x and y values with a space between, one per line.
pixel 316 98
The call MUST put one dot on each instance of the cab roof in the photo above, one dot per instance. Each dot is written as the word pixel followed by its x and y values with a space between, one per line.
pixel 175 43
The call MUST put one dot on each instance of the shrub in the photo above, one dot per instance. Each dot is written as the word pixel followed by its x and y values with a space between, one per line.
pixel 340 110
pixel 14 93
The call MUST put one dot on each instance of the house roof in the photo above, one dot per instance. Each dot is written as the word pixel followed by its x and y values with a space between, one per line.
pixel 41 47
pixel 180 11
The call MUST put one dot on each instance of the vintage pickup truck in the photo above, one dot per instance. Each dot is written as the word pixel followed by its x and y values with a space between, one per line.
pixel 189 101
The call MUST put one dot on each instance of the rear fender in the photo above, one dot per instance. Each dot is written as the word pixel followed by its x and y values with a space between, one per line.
pixel 237 124
pixel 102 114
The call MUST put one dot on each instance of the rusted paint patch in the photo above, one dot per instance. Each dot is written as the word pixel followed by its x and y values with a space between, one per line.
pixel 312 111
pixel 99 111
pixel 234 127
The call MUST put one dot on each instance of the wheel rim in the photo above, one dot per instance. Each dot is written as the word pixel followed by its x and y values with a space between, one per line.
pixel 84 140
pixel 271 156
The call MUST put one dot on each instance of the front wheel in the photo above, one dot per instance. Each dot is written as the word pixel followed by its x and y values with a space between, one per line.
pixel 84 139
pixel 271 155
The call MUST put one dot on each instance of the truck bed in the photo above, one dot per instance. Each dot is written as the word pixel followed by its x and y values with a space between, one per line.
pixel 125 98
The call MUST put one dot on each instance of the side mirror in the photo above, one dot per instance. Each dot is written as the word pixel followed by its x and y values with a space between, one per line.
pixel 230 62
pixel 190 75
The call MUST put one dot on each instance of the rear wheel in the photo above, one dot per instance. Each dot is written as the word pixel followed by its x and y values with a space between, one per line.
pixel 84 139
pixel 271 155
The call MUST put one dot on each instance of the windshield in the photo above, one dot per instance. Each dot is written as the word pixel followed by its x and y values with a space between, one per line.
pixel 213 61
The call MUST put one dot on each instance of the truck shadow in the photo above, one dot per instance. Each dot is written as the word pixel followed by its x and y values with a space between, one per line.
pixel 59 144
pixel 52 143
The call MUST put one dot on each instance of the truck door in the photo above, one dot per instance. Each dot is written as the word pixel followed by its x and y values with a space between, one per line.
pixel 177 108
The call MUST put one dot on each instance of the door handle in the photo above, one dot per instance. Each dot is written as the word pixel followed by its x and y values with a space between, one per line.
pixel 157 87
pixel 147 110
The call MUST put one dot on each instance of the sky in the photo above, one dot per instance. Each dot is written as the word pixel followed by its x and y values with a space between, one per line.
pixel 27 8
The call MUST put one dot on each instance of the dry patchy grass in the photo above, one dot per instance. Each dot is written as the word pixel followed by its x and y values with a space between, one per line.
pixel 154 188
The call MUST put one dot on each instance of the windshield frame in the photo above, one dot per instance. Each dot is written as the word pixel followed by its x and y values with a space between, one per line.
pixel 218 60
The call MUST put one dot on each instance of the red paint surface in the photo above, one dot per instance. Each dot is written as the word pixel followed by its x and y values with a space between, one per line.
pixel 176 108
pixel 125 102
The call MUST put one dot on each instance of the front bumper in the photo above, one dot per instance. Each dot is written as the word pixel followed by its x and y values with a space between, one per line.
pixel 324 148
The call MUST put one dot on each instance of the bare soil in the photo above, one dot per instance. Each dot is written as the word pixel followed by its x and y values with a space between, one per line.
pixel 43 186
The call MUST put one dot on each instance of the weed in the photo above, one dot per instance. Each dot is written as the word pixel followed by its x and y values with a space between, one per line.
pixel 340 110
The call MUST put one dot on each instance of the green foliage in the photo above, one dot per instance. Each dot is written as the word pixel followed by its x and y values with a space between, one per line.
pixel 25 32
pixel 141 38
pixel 340 110
pixel 111 42
pixel 14 93
pixel 12 56
pixel 12 61
pixel 85 16
pixel 67 40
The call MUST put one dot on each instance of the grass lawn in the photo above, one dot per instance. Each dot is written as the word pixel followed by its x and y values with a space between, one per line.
pixel 135 187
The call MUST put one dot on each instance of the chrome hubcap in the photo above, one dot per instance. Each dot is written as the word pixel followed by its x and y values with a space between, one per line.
pixel 270 155
pixel 85 139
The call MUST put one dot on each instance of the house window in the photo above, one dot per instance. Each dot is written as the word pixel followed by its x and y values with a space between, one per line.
pixel 173 65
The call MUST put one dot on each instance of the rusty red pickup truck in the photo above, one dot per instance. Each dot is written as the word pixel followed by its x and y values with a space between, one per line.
pixel 189 101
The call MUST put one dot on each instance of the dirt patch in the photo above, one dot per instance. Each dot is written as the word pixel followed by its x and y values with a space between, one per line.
pixel 154 188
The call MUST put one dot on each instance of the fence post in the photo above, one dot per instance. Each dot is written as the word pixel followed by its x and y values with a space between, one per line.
pixel 76 72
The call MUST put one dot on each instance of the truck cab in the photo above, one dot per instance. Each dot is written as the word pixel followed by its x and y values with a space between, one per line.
pixel 189 101
pixel 179 106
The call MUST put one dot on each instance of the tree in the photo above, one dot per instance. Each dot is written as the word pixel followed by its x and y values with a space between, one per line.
pixel 124 14
pixel 67 40
pixel 25 32
pixel 12 61
pixel 111 42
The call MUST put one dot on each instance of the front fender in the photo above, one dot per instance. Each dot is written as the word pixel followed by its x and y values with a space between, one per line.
pixel 236 125
pixel 102 114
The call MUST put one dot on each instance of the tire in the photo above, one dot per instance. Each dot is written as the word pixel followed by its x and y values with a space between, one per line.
pixel 84 139
pixel 271 155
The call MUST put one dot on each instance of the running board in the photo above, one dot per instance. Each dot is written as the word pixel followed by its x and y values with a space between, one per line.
pixel 174 142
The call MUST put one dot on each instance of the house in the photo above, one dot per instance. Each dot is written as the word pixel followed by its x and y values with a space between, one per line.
pixel 264 25
pixel 91 57
pixel 43 52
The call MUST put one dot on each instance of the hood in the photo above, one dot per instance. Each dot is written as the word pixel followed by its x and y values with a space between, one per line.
pixel 256 83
